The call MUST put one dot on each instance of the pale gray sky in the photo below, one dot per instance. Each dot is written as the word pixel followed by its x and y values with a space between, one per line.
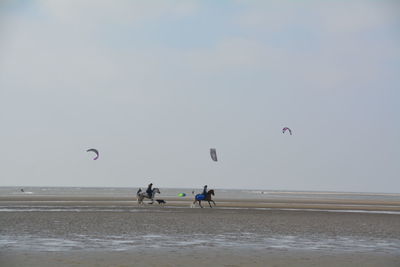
pixel 154 84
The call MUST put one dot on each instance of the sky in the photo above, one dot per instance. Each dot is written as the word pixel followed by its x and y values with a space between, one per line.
pixel 153 85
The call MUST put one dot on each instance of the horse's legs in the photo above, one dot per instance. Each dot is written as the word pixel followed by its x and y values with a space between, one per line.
pixel 209 203
pixel 200 204
pixel 140 200
pixel 213 202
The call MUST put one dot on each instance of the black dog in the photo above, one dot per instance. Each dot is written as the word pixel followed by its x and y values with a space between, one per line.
pixel 161 201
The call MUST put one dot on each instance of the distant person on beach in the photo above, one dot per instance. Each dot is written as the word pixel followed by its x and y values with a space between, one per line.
pixel 149 190
pixel 205 190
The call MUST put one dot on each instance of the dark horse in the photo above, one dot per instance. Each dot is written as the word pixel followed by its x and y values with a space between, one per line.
pixel 207 198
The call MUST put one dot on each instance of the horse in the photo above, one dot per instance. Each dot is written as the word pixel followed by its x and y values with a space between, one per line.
pixel 142 195
pixel 207 198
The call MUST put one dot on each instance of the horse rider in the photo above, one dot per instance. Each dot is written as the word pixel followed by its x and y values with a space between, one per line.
pixel 149 190
pixel 204 191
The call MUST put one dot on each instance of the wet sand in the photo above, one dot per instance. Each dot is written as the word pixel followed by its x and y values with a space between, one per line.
pixel 288 203
pixel 98 231
pixel 197 258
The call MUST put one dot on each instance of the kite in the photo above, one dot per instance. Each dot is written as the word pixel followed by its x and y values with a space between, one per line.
pixel 95 151
pixel 213 154
pixel 286 129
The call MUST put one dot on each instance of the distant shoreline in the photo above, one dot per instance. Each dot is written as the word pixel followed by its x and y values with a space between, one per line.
pixel 189 189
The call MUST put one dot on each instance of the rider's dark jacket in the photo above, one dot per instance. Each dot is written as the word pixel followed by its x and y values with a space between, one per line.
pixel 204 191
pixel 149 191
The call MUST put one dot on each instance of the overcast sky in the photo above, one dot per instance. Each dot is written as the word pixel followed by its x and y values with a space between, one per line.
pixel 153 85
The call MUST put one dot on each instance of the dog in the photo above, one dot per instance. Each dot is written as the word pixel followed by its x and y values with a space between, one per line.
pixel 161 202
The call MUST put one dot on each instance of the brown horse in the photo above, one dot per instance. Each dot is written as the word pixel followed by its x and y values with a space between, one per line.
pixel 207 198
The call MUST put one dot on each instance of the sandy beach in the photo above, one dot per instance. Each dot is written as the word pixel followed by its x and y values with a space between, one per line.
pixel 282 203
pixel 202 257
pixel 115 231
pixel 285 113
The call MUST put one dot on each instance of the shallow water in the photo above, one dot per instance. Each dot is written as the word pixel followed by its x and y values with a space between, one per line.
pixel 124 228
pixel 111 208
pixel 227 240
